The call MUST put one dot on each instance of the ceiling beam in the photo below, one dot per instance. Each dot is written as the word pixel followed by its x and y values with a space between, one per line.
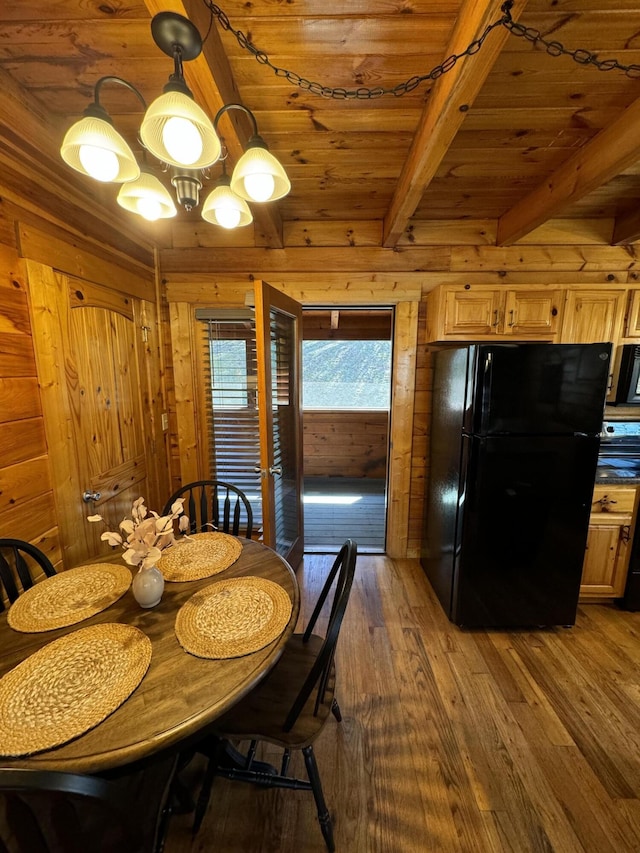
pixel 210 79
pixel 626 228
pixel 451 97
pixel 608 154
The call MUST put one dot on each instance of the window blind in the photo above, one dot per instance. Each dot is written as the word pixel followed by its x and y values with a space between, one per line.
pixel 229 342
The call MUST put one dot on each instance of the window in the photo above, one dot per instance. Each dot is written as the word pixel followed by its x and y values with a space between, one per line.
pixel 229 373
pixel 339 374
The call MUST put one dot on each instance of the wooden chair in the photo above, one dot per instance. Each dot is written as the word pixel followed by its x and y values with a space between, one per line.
pixel 289 708
pixel 15 572
pixel 215 505
pixel 43 811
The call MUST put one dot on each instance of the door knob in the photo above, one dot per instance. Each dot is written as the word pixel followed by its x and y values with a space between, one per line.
pixel 275 469
pixel 89 496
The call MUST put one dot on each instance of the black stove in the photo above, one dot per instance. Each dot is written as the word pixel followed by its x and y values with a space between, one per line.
pixel 619 456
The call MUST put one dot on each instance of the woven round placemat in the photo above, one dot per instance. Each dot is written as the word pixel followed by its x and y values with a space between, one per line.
pixel 69 597
pixel 233 617
pixel 199 555
pixel 69 686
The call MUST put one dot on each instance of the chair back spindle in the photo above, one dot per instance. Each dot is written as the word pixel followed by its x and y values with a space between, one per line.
pixel 213 505
pixel 344 567
pixel 15 572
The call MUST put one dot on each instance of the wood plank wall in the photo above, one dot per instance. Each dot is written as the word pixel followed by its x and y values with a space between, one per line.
pixel 27 509
pixel 345 444
pixel 27 495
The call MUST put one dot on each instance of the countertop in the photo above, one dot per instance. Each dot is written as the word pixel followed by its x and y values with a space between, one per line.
pixel 605 476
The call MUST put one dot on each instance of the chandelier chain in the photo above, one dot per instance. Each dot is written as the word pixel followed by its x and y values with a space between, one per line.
pixel 553 48
pixel 579 55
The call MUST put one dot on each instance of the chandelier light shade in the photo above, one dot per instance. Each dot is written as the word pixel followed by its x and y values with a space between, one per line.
pixel 258 176
pixel 223 207
pixel 179 134
pixel 148 197
pixel 94 147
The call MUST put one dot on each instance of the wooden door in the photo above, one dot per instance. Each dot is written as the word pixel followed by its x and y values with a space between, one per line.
pixel 87 341
pixel 279 357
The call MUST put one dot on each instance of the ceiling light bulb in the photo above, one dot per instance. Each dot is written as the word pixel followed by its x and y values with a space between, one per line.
pixel 99 163
pixel 258 176
pixel 149 208
pixel 177 131
pixel 223 207
pixel 182 140
pixel 259 187
pixel 227 217
pixel 147 197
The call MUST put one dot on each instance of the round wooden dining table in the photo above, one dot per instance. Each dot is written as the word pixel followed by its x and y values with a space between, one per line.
pixel 180 695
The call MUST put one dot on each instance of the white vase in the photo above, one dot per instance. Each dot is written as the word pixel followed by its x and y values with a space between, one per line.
pixel 148 586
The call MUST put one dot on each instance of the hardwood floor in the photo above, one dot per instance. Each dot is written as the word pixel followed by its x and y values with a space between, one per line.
pixel 456 740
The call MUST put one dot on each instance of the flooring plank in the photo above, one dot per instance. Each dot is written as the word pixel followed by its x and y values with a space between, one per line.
pixel 454 741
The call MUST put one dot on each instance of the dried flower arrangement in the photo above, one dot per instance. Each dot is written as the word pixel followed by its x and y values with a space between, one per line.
pixel 146 534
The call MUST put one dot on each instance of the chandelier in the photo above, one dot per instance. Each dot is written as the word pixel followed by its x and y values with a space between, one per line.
pixel 178 133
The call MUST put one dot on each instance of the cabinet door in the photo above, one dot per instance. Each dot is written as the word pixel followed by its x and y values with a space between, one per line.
pixel 633 320
pixel 604 571
pixel 533 313
pixel 592 316
pixel 472 313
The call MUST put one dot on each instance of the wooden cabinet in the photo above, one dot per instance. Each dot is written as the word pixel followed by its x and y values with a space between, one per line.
pixel 632 327
pixel 469 312
pixel 592 315
pixel 613 512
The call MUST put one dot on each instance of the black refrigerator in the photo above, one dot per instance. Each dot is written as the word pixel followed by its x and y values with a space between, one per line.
pixel 515 433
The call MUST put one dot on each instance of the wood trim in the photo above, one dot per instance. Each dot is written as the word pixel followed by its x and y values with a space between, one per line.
pixel 183 344
pixel 352 289
pixel 49 306
pixel 608 154
pixel 452 95
pixel 338 259
pixel 626 228
pixel 37 245
pixel 405 341
pixel 82 294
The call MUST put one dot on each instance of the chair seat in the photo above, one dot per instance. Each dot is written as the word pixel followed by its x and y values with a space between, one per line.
pixel 262 713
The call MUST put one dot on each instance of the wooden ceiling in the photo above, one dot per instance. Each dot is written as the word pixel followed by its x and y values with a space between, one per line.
pixel 512 135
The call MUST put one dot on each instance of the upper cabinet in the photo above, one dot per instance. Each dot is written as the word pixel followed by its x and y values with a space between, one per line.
pixel 470 312
pixel 592 315
pixel 632 328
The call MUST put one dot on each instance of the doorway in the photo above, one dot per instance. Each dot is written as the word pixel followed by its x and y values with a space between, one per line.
pixel 346 393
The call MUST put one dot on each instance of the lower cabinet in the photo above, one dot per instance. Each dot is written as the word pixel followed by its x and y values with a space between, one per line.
pixel 613 513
